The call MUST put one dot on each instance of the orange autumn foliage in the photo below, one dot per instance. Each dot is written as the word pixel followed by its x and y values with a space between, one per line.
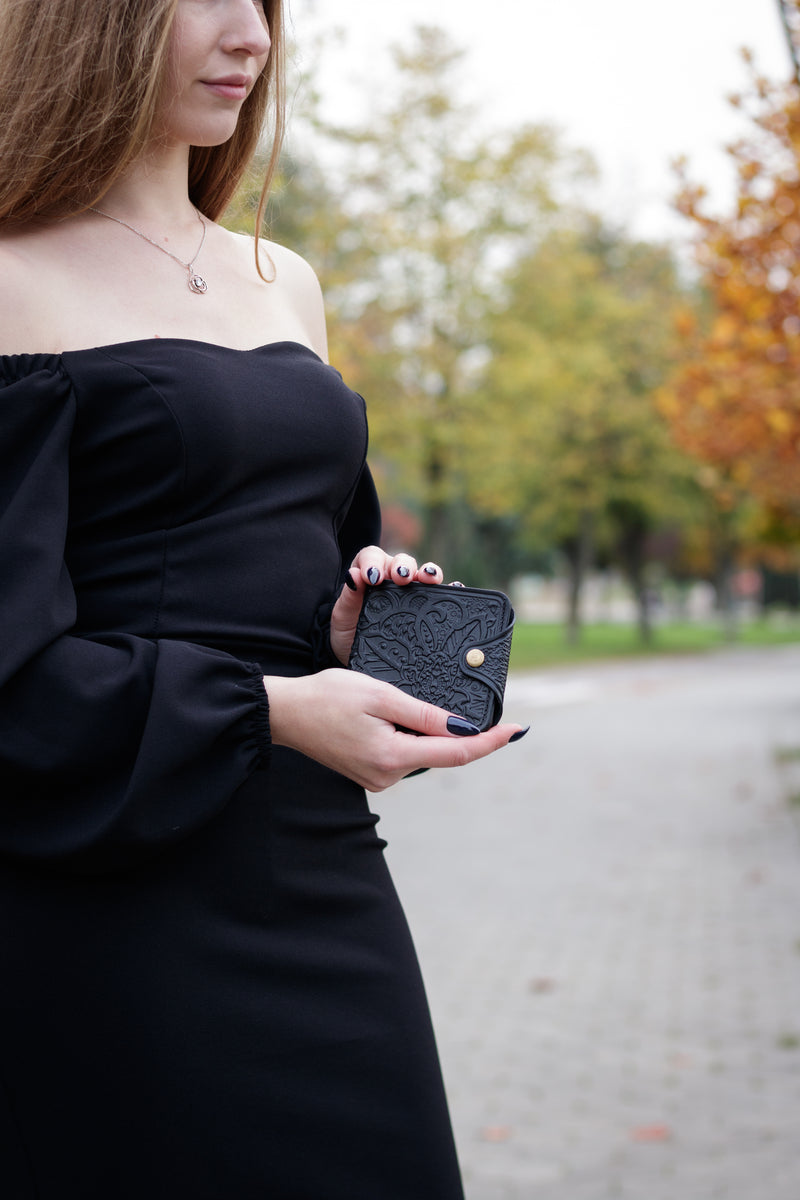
pixel 734 402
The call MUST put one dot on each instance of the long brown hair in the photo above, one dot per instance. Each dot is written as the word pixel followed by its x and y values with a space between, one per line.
pixel 80 85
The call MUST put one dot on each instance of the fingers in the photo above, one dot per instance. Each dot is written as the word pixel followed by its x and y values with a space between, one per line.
pixel 410 713
pixel 430 573
pixel 348 722
pixel 449 741
pixel 405 753
pixel 372 566
pixel 402 569
pixel 458 752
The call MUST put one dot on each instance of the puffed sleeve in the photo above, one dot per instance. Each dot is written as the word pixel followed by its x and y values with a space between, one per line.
pixel 113 747
pixel 359 526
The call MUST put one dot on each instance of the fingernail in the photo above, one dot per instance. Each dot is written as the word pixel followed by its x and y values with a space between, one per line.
pixel 461 728
pixel 430 570
pixel 403 572
pixel 516 737
pixel 456 583
pixel 373 575
pixel 349 582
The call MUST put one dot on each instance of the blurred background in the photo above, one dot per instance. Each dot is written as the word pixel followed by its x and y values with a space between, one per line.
pixel 558 245
pixel 560 248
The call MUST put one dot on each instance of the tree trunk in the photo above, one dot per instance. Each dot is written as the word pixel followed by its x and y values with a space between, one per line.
pixel 723 584
pixel 632 547
pixel 438 541
pixel 724 551
pixel 579 552
pixel 643 614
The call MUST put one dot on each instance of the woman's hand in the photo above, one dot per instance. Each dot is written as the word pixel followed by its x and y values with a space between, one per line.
pixel 369 568
pixel 348 721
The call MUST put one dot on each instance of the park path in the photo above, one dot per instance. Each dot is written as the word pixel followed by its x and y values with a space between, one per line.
pixel 608 919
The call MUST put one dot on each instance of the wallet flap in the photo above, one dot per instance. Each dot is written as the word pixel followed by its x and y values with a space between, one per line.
pixel 487 661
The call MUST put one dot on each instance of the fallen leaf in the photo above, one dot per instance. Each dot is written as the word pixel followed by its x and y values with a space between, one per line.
pixel 542 985
pixel 496 1133
pixel 651 1133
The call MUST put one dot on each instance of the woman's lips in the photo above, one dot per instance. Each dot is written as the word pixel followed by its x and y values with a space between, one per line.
pixel 233 87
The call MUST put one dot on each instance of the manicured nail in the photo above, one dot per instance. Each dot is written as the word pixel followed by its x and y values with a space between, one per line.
pixel 429 570
pixel 349 582
pixel 373 575
pixel 403 572
pixel 516 737
pixel 461 728
pixel 456 583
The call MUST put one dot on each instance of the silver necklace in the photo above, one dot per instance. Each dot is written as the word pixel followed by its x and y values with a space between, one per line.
pixel 196 282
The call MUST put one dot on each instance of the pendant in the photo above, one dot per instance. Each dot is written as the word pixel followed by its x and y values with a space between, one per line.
pixel 197 284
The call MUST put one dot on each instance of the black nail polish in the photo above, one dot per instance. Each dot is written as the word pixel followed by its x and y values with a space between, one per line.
pixel 373 575
pixel 430 570
pixel 461 728
pixel 516 737
pixel 403 572
pixel 348 582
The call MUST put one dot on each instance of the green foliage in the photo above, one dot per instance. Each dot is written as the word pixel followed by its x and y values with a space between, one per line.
pixel 582 341
pixel 787 754
pixel 578 448
pixel 508 344
pixel 541 645
pixel 412 236
pixel 439 208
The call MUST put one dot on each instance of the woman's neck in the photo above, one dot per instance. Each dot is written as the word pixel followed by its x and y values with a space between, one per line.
pixel 154 190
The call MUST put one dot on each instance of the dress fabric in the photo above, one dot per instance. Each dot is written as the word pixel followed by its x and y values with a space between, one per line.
pixel 208 986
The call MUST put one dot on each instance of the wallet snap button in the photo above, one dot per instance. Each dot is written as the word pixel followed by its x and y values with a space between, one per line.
pixel 475 657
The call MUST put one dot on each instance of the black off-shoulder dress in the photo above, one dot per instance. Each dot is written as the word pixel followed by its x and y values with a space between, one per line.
pixel 207 986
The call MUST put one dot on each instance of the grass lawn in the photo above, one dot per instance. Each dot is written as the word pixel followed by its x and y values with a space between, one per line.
pixel 536 645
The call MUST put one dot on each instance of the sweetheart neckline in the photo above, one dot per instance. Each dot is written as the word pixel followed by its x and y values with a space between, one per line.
pixel 170 341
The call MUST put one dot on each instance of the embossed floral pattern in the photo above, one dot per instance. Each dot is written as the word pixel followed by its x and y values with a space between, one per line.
pixel 417 637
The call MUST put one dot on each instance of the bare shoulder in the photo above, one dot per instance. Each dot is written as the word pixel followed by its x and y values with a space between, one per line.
pixel 303 285
pixel 21 298
pixel 293 272
pixel 300 288
pixel 296 270
pixel 289 304
pixel 289 269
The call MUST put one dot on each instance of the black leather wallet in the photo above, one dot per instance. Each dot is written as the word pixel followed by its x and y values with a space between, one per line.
pixel 447 645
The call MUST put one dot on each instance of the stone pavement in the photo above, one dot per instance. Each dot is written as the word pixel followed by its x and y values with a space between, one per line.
pixel 608 919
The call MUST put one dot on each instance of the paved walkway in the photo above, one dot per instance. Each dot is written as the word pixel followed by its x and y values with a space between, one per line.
pixel 608 918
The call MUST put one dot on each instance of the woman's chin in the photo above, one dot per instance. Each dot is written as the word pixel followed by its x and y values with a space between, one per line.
pixel 199 133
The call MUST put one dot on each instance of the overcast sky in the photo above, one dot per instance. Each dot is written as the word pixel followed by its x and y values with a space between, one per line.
pixel 636 82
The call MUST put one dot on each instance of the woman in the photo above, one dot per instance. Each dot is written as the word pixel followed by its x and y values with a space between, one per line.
pixel 208 986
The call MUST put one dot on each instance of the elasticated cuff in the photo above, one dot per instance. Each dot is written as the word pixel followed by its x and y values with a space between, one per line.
pixel 260 727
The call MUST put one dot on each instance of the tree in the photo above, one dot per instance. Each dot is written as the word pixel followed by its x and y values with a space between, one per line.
pixel 462 282
pixel 578 351
pixel 734 402
pixel 436 211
